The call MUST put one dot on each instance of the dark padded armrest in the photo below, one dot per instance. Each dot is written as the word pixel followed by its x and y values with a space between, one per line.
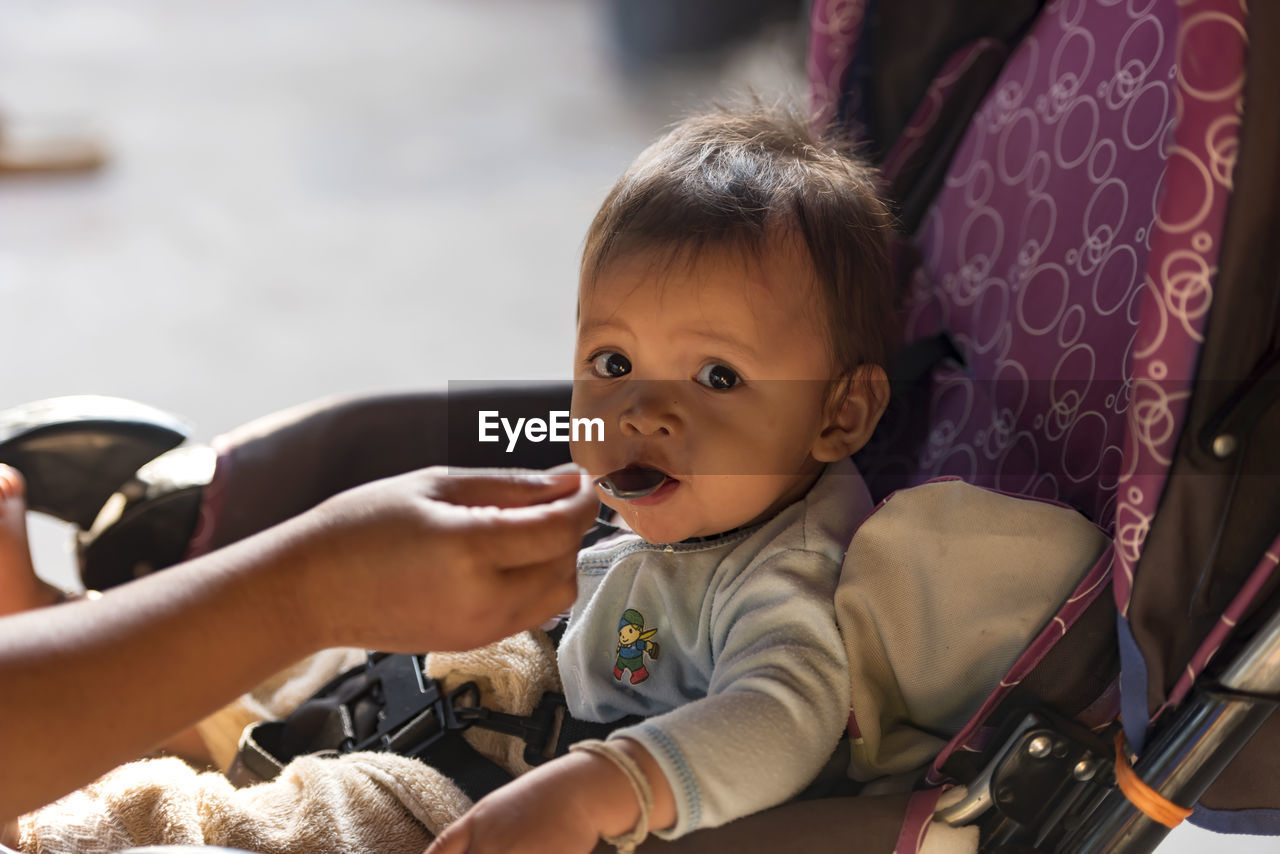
pixel 283 464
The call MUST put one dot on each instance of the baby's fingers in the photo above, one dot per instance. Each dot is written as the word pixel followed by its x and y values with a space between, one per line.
pixel 454 840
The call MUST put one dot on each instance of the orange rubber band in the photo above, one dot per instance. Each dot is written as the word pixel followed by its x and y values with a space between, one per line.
pixel 1147 800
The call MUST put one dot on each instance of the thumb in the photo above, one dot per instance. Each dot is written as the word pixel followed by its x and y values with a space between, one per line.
pixel 506 487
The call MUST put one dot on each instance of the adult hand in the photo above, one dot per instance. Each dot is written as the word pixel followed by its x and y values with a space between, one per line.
pixel 433 560
pixel 412 563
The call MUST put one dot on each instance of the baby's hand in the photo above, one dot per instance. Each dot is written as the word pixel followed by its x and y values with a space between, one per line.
pixel 562 807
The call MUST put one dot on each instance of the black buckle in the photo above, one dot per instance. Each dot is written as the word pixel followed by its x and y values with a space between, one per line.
pixel 535 729
pixel 414 713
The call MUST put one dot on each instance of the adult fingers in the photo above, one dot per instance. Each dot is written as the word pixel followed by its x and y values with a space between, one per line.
pixel 505 488
pixel 516 536
pixel 539 592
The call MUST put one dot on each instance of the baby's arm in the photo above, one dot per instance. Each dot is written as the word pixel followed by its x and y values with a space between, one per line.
pixel 562 807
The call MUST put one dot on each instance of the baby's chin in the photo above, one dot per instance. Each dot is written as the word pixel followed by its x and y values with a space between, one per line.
pixel 668 527
pixel 655 528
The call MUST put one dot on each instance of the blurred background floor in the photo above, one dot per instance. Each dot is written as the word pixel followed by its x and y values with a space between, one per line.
pixel 308 198
pixel 317 197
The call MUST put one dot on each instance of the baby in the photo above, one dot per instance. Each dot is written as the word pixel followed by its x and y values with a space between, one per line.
pixel 734 311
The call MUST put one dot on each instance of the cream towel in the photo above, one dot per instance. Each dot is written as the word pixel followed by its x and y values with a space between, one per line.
pixel 359 802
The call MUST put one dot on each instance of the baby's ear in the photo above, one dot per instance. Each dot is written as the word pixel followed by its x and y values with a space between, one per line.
pixel 853 414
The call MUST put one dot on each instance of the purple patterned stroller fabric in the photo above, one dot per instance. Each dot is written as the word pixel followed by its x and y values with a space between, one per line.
pixel 834 29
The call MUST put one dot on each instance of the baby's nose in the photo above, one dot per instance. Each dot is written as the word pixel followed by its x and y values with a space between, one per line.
pixel 652 411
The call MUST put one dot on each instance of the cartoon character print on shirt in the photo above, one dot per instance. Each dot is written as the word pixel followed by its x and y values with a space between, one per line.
pixel 633 643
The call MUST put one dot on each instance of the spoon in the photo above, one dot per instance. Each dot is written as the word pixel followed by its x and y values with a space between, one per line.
pixel 631 482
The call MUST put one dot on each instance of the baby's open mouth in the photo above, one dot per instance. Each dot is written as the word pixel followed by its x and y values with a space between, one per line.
pixel 632 482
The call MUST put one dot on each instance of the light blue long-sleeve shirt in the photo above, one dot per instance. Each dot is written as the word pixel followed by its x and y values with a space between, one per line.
pixel 745 682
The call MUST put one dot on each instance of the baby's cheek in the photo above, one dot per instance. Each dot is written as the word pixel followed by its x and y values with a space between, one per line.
pixel 589 455
pixel 591 436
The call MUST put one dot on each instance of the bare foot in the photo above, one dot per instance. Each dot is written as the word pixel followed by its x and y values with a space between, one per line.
pixel 20 588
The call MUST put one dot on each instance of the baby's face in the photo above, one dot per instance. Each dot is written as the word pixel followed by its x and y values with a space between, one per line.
pixel 715 373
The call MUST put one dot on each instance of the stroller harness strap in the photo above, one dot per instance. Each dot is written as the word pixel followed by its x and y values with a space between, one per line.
pixel 389 704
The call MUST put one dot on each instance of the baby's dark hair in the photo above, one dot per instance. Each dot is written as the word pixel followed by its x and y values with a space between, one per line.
pixel 743 178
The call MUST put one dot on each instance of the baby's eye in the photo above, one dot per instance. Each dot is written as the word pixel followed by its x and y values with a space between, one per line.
pixel 610 364
pixel 718 377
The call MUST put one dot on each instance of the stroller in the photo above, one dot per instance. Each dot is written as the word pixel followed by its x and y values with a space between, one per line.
pixel 1091 319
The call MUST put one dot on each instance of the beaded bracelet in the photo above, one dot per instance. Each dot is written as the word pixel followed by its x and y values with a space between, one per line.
pixel 627 842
